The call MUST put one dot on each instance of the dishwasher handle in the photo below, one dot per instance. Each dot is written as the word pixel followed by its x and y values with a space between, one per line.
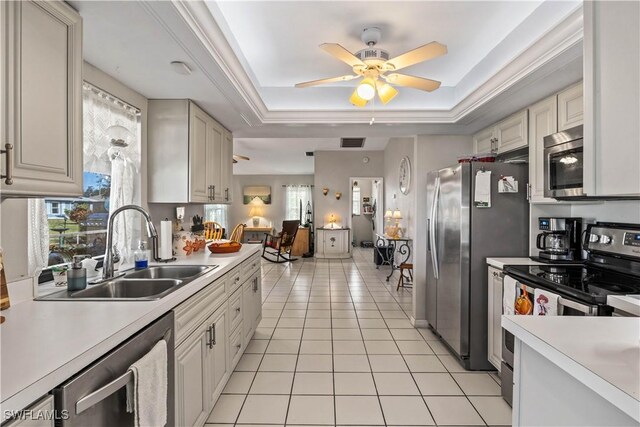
pixel 107 390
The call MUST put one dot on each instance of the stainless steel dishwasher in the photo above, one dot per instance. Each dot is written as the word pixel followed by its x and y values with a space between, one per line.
pixel 97 395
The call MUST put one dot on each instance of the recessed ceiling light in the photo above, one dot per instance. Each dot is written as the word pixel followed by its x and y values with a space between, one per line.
pixel 181 68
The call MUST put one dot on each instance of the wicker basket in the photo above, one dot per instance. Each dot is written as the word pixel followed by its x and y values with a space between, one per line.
pixel 224 248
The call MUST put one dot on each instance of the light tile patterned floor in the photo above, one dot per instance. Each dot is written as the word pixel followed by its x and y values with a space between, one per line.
pixel 335 347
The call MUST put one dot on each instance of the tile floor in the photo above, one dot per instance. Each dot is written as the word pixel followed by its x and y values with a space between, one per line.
pixel 335 347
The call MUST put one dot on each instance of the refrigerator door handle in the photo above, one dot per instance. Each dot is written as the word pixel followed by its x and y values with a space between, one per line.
pixel 429 234
pixel 432 231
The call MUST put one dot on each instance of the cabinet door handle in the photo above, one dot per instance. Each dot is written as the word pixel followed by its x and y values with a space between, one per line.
pixel 210 334
pixel 238 309
pixel 213 192
pixel 8 151
pixel 213 335
pixel 226 194
pixel 238 346
pixel 255 284
pixel 528 191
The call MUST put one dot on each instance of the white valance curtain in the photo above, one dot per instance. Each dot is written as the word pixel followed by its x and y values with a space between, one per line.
pixel 101 112
pixel 296 196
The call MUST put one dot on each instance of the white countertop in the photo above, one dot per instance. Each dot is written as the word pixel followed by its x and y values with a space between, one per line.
pixel 627 303
pixel 601 352
pixel 501 262
pixel 42 343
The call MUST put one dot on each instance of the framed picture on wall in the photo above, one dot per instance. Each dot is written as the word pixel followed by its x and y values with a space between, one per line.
pixel 250 192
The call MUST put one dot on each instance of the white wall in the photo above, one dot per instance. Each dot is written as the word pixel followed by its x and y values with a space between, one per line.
pixel 396 150
pixel 432 152
pixel 273 213
pixel 333 170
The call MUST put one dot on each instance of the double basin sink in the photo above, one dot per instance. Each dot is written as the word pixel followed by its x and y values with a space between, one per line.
pixel 149 284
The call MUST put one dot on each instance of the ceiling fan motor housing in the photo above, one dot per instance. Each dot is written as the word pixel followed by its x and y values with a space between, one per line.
pixel 373 56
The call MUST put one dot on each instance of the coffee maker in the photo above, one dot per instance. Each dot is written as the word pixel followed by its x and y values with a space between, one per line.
pixel 560 239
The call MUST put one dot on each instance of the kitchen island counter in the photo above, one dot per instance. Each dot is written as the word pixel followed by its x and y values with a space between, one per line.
pixel 43 343
pixel 574 370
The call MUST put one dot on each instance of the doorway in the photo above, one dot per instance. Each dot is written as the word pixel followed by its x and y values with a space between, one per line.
pixel 366 201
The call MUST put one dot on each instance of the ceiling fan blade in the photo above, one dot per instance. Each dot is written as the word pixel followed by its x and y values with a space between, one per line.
pixel 412 81
pixel 339 52
pixel 420 54
pixel 240 157
pixel 329 80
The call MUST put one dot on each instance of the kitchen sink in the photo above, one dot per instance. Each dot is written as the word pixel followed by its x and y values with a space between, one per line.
pixel 149 284
pixel 168 272
pixel 128 289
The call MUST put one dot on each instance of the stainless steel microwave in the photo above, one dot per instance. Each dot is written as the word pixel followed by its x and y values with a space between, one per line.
pixel 563 164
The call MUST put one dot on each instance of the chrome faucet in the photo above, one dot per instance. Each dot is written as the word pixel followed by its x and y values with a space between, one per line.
pixel 107 268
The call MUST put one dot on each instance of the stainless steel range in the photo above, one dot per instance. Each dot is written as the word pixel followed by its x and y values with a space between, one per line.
pixel 612 268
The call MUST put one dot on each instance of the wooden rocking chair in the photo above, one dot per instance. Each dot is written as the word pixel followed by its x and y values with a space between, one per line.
pixel 280 245
pixel 213 230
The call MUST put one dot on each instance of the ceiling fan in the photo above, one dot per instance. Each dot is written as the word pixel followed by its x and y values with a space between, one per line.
pixel 378 72
pixel 237 157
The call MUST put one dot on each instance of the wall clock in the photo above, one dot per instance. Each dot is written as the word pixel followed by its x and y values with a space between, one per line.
pixel 404 175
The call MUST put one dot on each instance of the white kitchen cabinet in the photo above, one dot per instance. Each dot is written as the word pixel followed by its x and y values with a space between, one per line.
pixel 333 243
pixel 611 93
pixel 570 107
pixel 39 412
pixel 41 108
pixel 252 305
pixel 494 313
pixel 184 156
pixel 543 121
pixel 226 167
pixel 483 141
pixel 511 133
pixel 191 366
pixel 201 369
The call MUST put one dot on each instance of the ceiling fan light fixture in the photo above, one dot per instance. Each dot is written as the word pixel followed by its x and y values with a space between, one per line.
pixel 386 92
pixel 366 89
pixel 356 100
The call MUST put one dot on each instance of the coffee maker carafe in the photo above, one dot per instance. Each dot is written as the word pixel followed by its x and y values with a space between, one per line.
pixel 560 239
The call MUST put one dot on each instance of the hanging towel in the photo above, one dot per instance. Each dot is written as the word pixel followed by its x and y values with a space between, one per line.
pixel 523 305
pixel 545 303
pixel 508 295
pixel 147 394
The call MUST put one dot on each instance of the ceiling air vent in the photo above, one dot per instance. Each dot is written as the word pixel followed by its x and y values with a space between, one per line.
pixel 309 153
pixel 351 142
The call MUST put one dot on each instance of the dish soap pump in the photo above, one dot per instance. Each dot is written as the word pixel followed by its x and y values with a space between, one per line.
pixel 141 256
pixel 77 274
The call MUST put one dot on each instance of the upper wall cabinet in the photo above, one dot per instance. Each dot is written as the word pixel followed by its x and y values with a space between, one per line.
pixel 185 151
pixel 507 135
pixel 570 107
pixel 226 166
pixel 543 121
pixel 41 105
pixel 611 94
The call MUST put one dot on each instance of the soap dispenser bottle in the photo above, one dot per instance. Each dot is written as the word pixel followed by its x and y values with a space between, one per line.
pixel 141 256
pixel 77 274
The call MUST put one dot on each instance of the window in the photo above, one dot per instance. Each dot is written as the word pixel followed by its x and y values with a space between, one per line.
pixel 218 213
pixel 355 201
pixel 298 202
pixel 111 178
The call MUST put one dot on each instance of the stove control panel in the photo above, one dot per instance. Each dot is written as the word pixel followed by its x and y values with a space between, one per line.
pixel 614 240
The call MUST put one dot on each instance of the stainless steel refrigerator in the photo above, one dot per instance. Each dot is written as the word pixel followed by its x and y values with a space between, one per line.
pixel 460 238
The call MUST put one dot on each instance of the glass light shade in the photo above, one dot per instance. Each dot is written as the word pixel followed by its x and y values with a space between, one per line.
pixel 366 89
pixel 356 100
pixel 388 214
pixel 386 92
pixel 397 214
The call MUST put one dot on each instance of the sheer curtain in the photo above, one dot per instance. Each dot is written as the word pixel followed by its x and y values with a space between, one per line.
pixel 101 114
pixel 296 196
pixel 38 232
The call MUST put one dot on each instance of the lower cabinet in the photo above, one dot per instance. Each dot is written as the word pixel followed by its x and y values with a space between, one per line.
pixel 201 368
pixel 40 413
pixel 494 311
pixel 212 330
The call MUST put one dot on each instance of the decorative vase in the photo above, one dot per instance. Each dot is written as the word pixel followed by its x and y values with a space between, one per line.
pixel 256 222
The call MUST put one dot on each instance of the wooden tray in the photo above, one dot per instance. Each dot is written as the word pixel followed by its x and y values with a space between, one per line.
pixel 224 248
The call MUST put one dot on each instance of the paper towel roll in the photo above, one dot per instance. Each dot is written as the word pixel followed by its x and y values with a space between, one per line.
pixel 166 244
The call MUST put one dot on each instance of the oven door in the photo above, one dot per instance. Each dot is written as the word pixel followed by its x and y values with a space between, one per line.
pixel 564 170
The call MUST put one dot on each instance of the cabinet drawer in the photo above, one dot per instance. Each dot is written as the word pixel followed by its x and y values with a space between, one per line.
pixel 233 280
pixel 192 312
pixel 41 408
pixel 249 266
pixel 235 310
pixel 236 345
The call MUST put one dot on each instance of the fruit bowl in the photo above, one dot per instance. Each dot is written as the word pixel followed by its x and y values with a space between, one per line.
pixel 226 247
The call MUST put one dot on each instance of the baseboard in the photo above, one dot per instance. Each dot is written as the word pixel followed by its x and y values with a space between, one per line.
pixel 419 323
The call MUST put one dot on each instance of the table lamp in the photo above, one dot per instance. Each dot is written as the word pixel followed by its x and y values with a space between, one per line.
pixel 256 211
pixel 397 215
pixel 387 219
